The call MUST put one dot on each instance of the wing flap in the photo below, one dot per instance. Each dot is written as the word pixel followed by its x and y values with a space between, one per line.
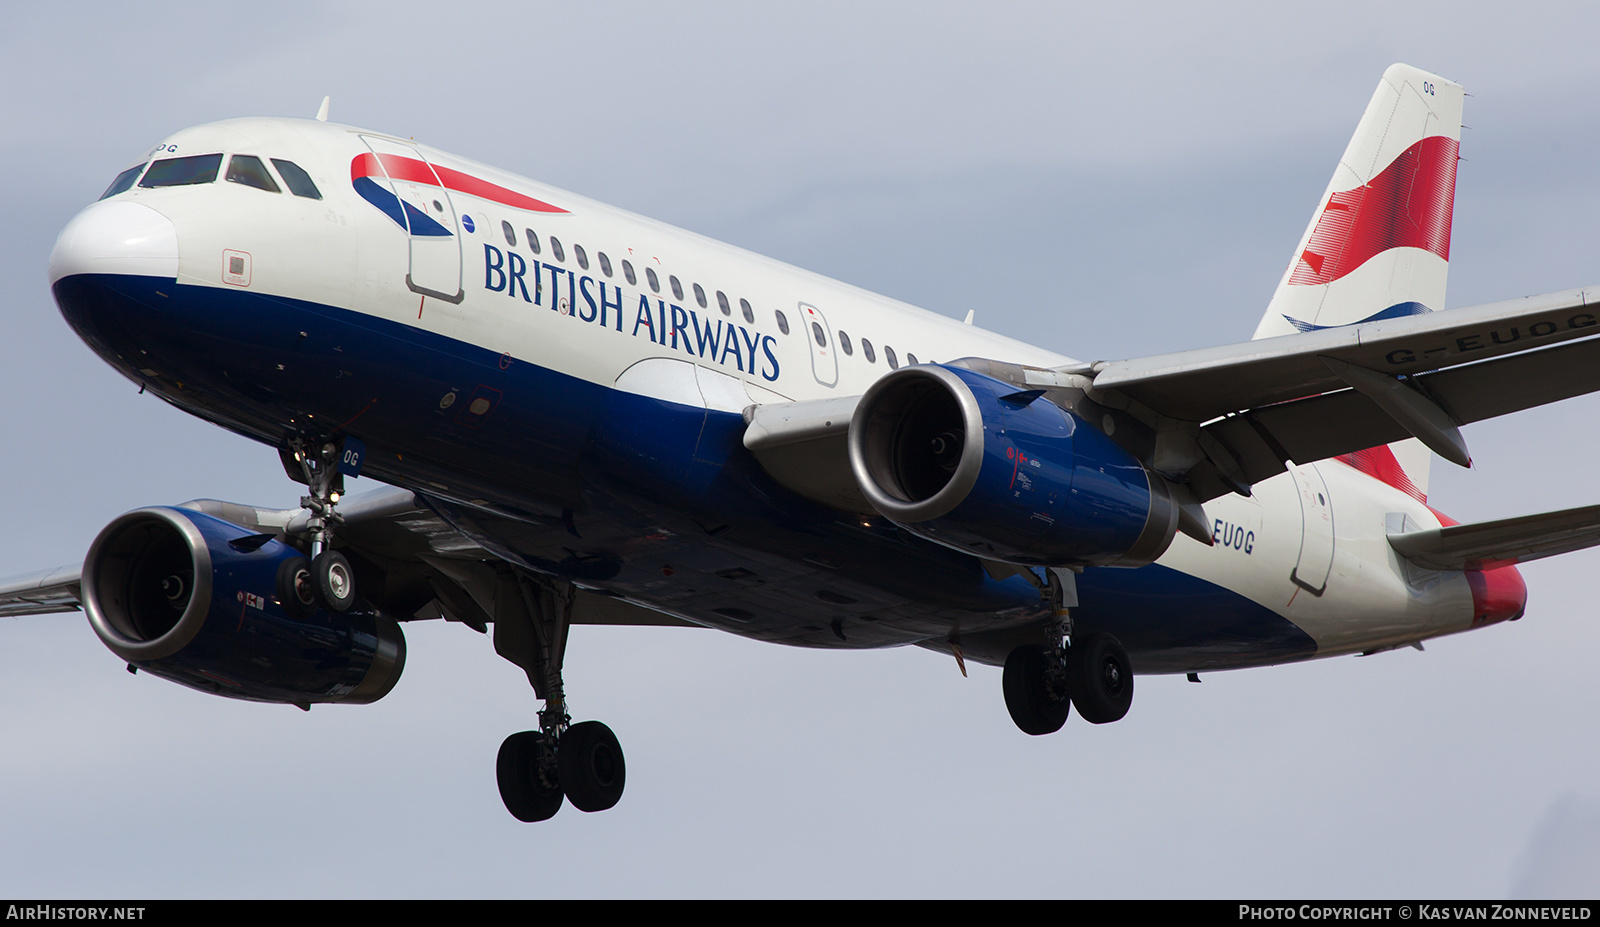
pixel 1331 424
pixel 1489 544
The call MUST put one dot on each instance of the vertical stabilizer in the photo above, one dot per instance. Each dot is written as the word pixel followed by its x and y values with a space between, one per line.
pixel 1378 246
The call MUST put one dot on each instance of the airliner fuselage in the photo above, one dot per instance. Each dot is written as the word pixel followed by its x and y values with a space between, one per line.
pixel 588 423
pixel 594 417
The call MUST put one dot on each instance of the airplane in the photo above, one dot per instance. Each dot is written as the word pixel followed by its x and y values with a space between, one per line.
pixel 587 417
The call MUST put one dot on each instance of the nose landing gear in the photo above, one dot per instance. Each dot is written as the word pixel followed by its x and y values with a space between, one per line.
pixel 316 463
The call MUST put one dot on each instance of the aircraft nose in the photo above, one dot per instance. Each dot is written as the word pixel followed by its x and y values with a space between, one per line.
pixel 116 237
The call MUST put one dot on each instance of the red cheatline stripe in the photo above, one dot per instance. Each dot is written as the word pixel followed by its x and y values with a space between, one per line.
pixel 1408 205
pixel 415 171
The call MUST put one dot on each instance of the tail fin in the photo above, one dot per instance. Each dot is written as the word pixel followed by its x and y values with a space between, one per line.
pixel 1378 246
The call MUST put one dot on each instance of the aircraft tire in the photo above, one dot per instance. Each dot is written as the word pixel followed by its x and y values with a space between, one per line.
pixel 335 581
pixel 1034 707
pixel 294 587
pixel 592 769
pixel 517 769
pixel 1101 678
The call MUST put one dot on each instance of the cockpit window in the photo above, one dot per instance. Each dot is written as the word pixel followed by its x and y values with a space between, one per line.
pixel 298 180
pixel 178 172
pixel 248 170
pixel 123 182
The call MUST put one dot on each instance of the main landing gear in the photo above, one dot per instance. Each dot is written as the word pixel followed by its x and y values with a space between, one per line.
pixel 581 763
pixel 1043 681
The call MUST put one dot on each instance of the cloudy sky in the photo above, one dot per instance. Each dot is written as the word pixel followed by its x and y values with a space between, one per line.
pixel 1106 184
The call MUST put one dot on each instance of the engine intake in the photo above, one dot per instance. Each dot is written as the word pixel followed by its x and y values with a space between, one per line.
pixel 970 462
pixel 193 598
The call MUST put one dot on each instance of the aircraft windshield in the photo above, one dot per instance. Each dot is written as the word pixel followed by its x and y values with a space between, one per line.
pixel 177 172
pixel 248 170
pixel 298 180
pixel 123 182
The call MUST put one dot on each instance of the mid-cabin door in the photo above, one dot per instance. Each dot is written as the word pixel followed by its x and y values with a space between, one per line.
pixel 824 356
pixel 1312 567
pixel 432 225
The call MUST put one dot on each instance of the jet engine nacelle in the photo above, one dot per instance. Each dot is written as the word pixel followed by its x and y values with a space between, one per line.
pixel 970 462
pixel 195 599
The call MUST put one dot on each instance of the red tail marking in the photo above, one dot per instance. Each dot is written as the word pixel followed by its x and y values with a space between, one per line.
pixel 1380 463
pixel 1408 205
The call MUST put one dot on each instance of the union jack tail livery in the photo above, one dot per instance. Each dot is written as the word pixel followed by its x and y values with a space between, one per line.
pixel 1378 246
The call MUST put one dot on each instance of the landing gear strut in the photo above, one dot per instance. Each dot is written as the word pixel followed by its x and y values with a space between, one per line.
pixel 582 762
pixel 1043 681
pixel 315 463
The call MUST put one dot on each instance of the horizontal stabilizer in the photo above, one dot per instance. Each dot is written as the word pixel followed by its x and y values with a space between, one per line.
pixel 1490 544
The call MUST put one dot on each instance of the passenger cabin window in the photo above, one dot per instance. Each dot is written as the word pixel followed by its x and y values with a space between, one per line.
pixel 297 180
pixel 677 288
pixel 911 359
pixel 181 172
pixel 509 232
pixel 533 240
pixel 581 255
pixel 248 170
pixel 605 263
pixel 699 296
pixel 555 249
pixel 123 182
pixel 627 271
pixel 844 342
pixel 749 314
pixel 816 332
pixel 888 355
pixel 866 349
pixel 722 303
pixel 783 321
pixel 650 274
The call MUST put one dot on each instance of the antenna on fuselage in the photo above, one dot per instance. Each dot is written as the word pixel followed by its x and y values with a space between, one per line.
pixel 322 111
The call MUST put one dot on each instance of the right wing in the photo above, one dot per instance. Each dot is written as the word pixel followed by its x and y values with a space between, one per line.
pixel 429 569
pixel 41 593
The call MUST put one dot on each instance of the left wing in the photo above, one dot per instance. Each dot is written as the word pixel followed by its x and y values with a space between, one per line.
pixel 1230 416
